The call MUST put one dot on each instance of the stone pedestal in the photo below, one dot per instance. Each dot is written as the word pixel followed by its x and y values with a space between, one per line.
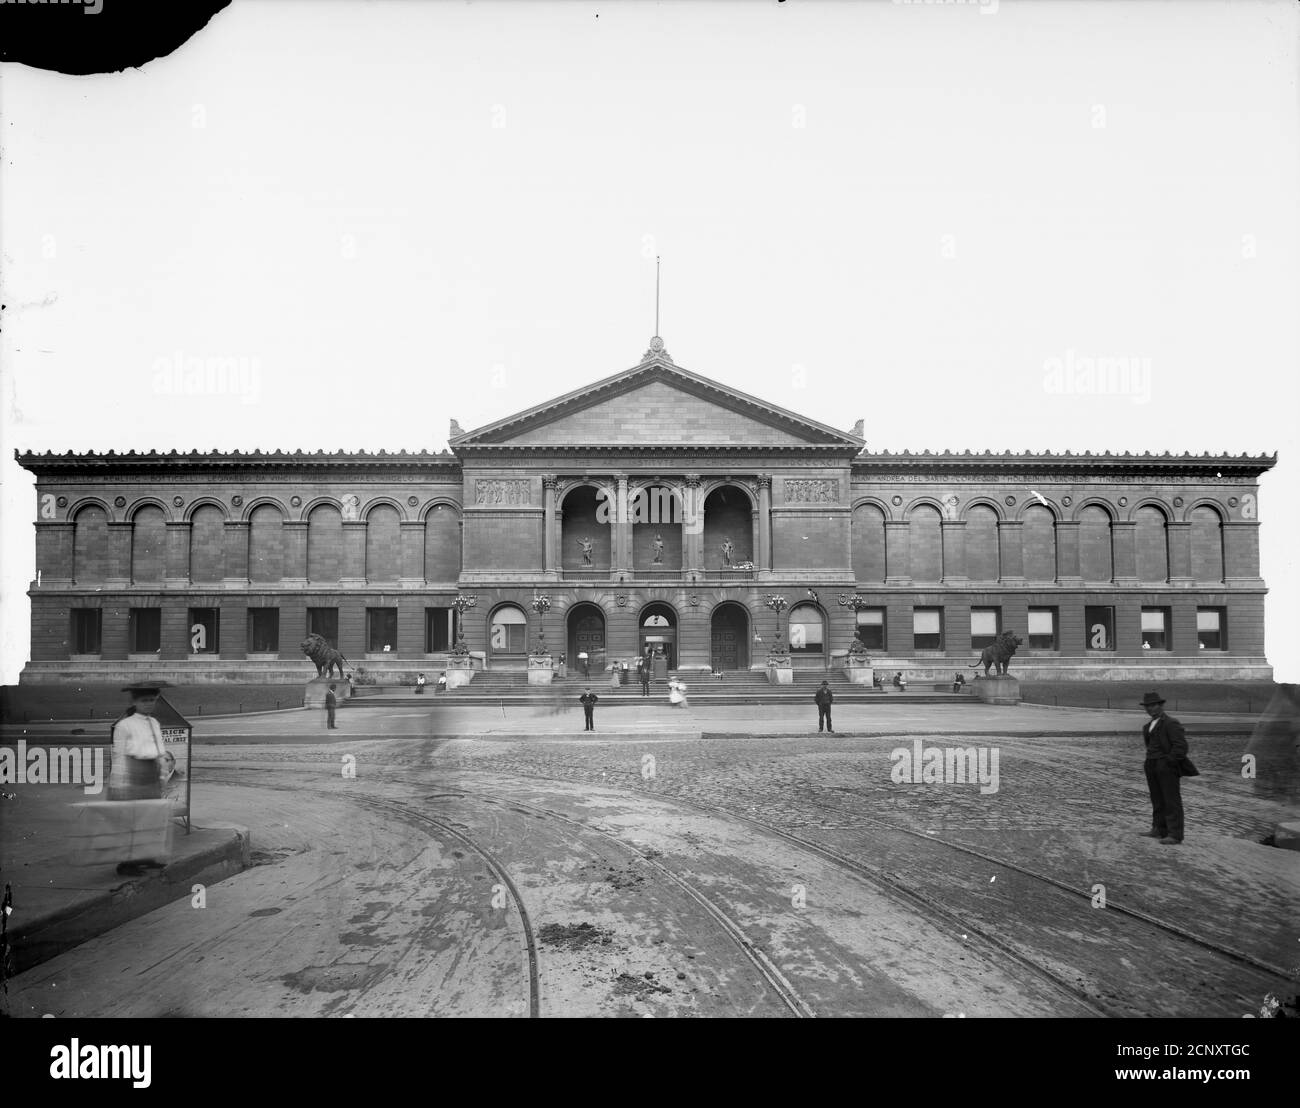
pixel 997 690
pixel 780 671
pixel 859 673
pixel 460 670
pixel 314 694
pixel 541 669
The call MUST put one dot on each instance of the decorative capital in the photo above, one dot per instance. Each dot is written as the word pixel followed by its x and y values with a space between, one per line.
pixel 693 480
pixel 549 480
pixel 764 480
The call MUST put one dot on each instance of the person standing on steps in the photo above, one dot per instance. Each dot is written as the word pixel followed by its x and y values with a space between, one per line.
pixel 331 702
pixel 824 698
pixel 588 701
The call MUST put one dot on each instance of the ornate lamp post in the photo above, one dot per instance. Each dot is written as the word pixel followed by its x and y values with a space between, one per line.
pixel 857 603
pixel 462 604
pixel 778 604
pixel 541 605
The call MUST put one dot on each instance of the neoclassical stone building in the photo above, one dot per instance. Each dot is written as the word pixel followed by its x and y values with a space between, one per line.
pixel 654 506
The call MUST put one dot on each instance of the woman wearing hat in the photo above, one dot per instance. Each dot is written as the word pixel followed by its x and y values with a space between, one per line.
pixel 1166 749
pixel 138 763
pixel 137 748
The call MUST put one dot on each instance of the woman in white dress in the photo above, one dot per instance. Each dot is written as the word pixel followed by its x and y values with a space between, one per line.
pixel 677 694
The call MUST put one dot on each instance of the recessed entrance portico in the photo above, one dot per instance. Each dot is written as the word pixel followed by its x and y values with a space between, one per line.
pixel 657 630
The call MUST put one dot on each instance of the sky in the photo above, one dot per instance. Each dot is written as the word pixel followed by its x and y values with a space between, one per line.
pixel 372 218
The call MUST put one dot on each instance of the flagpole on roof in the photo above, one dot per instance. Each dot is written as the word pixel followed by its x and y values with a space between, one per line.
pixel 656 294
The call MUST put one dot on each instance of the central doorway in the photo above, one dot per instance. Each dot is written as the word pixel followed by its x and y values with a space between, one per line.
pixel 586 635
pixel 657 632
pixel 729 637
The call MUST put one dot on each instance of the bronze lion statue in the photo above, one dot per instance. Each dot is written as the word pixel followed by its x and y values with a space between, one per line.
pixel 324 655
pixel 999 654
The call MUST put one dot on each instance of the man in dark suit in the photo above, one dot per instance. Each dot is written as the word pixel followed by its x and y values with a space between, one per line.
pixel 331 702
pixel 588 701
pixel 824 697
pixel 1166 748
pixel 643 671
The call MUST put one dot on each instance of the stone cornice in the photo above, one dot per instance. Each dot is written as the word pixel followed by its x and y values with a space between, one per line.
pixel 176 462
pixel 878 466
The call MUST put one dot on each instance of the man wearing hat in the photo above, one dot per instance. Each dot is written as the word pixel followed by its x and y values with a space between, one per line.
pixel 824 698
pixel 138 756
pixel 1166 748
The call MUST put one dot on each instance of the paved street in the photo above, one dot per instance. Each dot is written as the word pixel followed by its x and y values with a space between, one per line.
pixel 527 869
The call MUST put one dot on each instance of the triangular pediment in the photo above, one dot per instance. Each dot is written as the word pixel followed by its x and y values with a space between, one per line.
pixel 656 404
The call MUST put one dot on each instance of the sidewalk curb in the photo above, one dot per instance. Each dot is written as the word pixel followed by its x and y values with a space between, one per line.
pixel 41 938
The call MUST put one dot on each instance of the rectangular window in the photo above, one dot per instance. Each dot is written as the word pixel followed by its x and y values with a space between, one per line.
pixel 1042 628
pixel 1099 628
pixel 1155 628
pixel 439 630
pixel 263 630
pixel 871 628
pixel 202 632
pixel 145 630
pixel 927 628
pixel 87 629
pixel 325 623
pixel 381 630
pixel 509 629
pixel 806 635
pixel 985 625
pixel 1212 628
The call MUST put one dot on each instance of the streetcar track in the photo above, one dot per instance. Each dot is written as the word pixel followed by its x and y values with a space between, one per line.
pixel 892 885
pixel 413 815
pixel 858 818
pixel 734 931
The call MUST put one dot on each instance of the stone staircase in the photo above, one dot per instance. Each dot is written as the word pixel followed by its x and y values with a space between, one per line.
pixel 735 687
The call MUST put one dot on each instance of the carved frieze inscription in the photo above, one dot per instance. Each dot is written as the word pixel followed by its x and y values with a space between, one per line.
pixel 499 491
pixel 811 490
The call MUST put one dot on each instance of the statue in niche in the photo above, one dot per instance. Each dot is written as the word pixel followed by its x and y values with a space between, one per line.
pixel 658 549
pixel 728 549
pixel 587 547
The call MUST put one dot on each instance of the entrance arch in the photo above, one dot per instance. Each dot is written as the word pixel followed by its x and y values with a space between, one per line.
pixel 656 628
pixel 729 636
pixel 585 634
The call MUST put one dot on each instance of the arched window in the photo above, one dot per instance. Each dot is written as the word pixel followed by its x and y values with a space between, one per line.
pixel 982 562
pixel 1094 544
pixel 442 544
pixel 508 631
pixel 1152 545
pixel 1207 544
pixel 868 544
pixel 324 544
pixel 148 544
pixel 1039 538
pixel 807 630
pixel 207 544
pixel 926 541
pixel 90 545
pixel 383 543
pixel 265 544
